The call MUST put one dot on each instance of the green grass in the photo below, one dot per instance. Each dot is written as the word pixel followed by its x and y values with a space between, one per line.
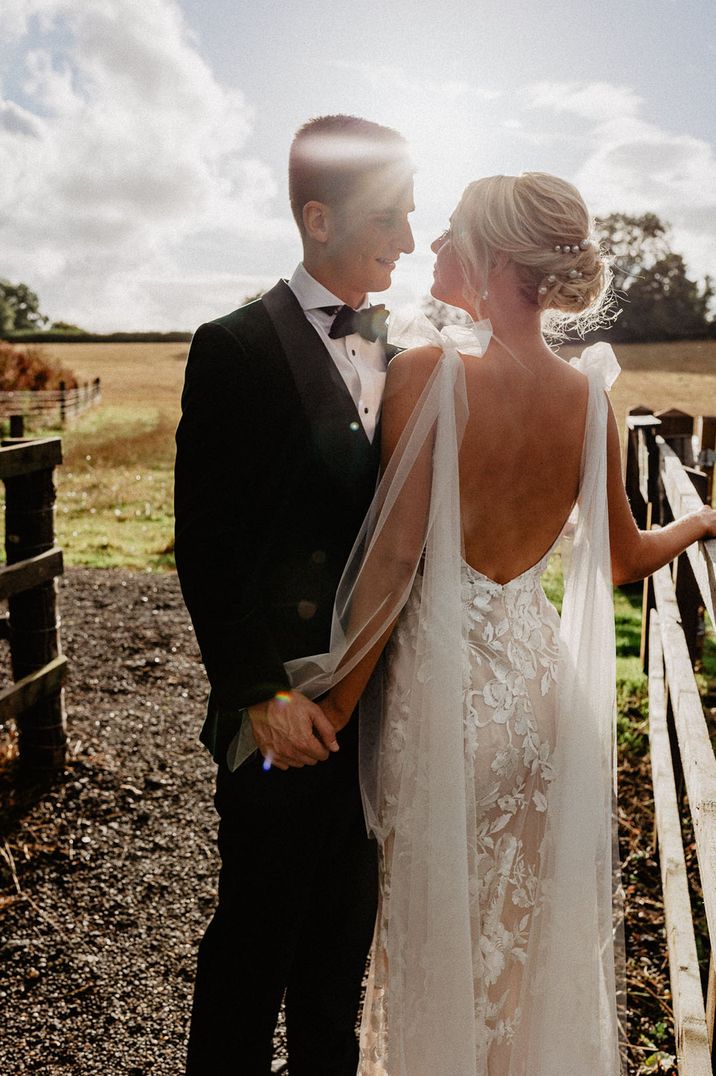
pixel 115 489
pixel 114 494
pixel 632 686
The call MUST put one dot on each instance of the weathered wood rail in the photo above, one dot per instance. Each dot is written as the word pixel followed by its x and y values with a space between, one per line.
pixel 663 484
pixel 28 583
pixel 58 405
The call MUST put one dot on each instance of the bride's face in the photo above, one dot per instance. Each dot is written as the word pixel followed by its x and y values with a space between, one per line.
pixel 448 279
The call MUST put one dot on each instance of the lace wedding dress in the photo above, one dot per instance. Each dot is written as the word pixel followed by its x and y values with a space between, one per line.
pixel 510 662
pixel 487 767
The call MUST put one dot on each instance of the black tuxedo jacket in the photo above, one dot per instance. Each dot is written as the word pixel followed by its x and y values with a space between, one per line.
pixel 274 474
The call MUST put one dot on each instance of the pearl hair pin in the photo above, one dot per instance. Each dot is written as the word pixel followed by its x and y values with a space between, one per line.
pixel 573 274
pixel 573 248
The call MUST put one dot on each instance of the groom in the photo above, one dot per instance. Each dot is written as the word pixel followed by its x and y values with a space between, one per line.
pixel 277 458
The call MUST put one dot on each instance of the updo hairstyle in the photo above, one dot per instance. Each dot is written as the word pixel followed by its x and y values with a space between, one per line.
pixel 541 223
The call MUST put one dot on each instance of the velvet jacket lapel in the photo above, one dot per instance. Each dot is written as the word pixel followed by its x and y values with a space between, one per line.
pixel 336 428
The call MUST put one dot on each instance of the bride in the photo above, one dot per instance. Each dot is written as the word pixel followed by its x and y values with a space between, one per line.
pixel 487 728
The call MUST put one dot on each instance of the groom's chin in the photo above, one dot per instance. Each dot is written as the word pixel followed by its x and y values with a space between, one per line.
pixel 382 280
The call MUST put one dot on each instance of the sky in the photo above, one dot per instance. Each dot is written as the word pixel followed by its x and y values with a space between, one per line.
pixel 143 143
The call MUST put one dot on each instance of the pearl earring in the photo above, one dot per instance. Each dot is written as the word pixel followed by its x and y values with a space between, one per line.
pixel 484 294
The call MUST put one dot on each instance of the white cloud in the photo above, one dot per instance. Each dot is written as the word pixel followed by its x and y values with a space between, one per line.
pixel 126 148
pixel 634 166
pixel 596 101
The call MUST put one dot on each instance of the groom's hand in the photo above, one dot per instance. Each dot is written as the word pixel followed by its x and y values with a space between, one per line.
pixel 290 730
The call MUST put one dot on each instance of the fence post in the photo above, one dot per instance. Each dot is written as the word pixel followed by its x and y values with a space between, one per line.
pixel 705 429
pixel 63 404
pixel 640 421
pixel 33 617
pixel 677 429
pixel 17 425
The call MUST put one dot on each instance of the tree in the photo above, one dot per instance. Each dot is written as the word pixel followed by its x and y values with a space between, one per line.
pixel 634 244
pixel 65 327
pixel 657 298
pixel 664 304
pixel 19 308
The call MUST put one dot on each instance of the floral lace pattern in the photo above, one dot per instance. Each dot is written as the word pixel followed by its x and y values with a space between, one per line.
pixel 510 662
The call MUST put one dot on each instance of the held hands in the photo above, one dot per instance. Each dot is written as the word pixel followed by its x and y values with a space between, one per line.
pixel 290 730
pixel 337 717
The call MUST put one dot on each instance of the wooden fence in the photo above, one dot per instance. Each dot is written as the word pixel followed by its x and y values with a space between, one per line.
pixel 28 583
pixel 51 406
pixel 663 484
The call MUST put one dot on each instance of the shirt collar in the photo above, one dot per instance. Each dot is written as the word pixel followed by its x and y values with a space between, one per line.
pixel 311 294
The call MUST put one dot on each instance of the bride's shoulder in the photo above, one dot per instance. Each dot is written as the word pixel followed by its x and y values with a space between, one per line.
pixel 415 363
pixel 408 374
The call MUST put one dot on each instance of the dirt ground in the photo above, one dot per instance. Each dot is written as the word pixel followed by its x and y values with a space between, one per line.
pixel 109 878
pixel 115 867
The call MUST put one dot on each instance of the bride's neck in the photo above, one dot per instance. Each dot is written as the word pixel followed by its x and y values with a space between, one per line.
pixel 519 331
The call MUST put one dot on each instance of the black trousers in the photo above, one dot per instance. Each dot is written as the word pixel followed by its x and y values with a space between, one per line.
pixel 296 911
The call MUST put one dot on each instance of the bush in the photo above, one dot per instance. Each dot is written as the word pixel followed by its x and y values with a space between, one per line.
pixel 28 368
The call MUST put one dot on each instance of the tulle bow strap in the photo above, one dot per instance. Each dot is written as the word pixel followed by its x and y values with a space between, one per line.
pixel 408 327
pixel 599 363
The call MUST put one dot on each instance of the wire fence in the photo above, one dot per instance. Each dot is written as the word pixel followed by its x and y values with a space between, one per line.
pixel 58 405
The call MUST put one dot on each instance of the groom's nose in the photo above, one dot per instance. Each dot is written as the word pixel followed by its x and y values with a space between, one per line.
pixel 407 243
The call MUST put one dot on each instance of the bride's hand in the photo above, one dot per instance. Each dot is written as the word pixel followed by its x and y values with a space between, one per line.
pixel 708 516
pixel 335 715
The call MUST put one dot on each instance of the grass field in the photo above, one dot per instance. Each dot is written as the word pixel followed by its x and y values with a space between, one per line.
pixel 114 503
pixel 114 491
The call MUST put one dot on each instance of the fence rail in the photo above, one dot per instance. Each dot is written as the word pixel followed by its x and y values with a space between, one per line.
pixel 663 485
pixel 28 583
pixel 61 403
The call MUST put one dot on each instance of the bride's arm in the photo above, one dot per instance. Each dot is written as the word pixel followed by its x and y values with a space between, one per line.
pixel 636 554
pixel 389 568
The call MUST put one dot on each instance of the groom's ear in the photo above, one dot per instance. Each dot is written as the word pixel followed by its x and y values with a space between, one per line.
pixel 316 221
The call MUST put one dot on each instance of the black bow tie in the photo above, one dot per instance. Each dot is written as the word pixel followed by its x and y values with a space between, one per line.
pixel 370 323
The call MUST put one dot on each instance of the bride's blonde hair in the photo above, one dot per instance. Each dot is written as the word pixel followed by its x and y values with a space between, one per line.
pixel 531 219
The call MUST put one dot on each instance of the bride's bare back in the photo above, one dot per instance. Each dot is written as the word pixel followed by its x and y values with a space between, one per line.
pixel 521 453
pixel 520 458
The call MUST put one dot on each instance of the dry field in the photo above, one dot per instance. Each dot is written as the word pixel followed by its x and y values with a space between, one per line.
pixel 682 374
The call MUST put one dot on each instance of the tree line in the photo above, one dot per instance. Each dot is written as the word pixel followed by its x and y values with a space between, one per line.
pixel 654 294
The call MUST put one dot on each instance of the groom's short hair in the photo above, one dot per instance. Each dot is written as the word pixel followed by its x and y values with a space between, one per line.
pixel 330 154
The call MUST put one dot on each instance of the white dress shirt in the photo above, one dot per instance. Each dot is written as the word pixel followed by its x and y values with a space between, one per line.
pixel 361 363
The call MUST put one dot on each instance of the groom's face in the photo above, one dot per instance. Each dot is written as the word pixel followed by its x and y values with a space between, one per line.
pixel 368 234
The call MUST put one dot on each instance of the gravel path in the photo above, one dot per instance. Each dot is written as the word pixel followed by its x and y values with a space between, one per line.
pixel 107 880
pixel 115 868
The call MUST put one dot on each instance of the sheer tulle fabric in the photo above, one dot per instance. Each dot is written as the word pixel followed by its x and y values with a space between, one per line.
pixel 432 1004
